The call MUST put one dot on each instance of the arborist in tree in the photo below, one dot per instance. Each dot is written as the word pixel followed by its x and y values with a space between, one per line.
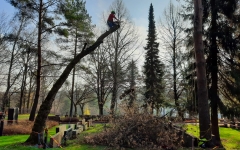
pixel 110 21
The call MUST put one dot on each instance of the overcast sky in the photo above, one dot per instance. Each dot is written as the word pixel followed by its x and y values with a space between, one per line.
pixel 138 11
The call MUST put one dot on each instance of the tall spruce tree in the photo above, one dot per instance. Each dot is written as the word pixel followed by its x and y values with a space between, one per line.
pixel 220 20
pixel 153 67
pixel 221 46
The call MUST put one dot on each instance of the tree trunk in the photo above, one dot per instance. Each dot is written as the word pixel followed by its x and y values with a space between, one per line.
pixel 115 77
pixel 82 110
pixel 114 96
pixel 35 103
pixel 100 106
pixel 214 74
pixel 203 107
pixel 73 77
pixel 29 93
pixel 75 109
pixel 23 87
pixel 40 121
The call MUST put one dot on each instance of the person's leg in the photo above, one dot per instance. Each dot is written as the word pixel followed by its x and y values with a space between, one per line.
pixel 110 24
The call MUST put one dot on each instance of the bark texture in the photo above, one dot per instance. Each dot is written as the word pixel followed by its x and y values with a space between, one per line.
pixel 203 107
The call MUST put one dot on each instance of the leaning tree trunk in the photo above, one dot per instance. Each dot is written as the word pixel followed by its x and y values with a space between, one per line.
pixel 203 107
pixel 40 121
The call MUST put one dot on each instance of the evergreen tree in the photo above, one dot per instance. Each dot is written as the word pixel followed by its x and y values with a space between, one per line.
pixel 153 67
pixel 78 29
pixel 220 19
pixel 221 44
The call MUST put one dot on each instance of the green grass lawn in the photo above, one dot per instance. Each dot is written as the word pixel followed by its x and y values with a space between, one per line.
pixel 23 116
pixel 230 137
pixel 13 142
pixel 16 139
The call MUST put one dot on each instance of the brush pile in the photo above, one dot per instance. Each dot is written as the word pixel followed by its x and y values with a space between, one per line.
pixel 137 131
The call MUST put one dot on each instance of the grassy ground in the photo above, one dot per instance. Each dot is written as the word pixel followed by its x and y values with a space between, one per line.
pixel 13 142
pixel 16 139
pixel 230 137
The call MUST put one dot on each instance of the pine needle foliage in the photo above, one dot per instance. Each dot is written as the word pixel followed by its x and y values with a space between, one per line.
pixel 153 67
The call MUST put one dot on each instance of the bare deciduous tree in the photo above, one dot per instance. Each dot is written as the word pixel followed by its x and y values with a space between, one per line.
pixel 172 37
pixel 121 46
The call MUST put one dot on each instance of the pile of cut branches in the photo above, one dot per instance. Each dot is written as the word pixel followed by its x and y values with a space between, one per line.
pixel 137 131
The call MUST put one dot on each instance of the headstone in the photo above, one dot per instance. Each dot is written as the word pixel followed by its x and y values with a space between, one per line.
pixel 232 125
pixel 68 133
pixel 238 125
pixel 83 121
pixel 1 122
pixel 85 126
pixel 75 133
pixel 10 115
pixel 1 127
pixel 55 141
pixel 57 129
pixel 89 122
pixel 16 114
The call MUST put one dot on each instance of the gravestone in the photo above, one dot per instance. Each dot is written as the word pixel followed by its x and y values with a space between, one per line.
pixel 90 123
pixel 10 115
pixel 238 125
pixel 16 114
pixel 1 122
